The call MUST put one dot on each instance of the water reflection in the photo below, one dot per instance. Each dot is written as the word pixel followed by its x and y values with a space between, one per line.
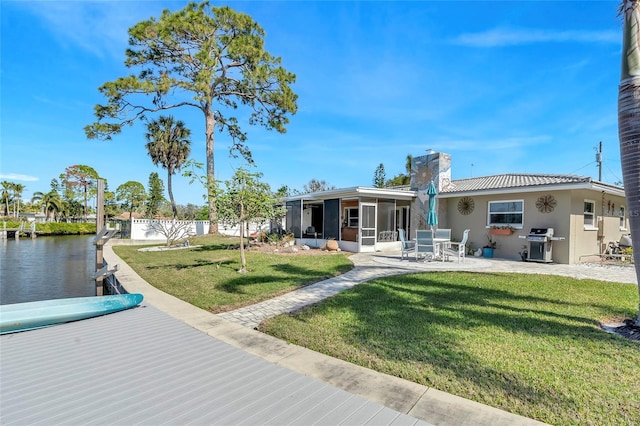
pixel 46 268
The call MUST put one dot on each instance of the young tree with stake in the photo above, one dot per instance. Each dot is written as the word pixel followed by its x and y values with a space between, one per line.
pixel 246 199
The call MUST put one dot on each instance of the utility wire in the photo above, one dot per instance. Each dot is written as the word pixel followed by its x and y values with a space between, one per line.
pixel 614 175
pixel 587 165
pixel 605 164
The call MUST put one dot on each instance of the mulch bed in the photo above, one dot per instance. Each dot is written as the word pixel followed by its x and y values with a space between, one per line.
pixel 626 329
pixel 289 250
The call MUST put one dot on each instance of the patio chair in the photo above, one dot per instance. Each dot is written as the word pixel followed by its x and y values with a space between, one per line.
pixel 459 249
pixel 443 238
pixel 407 246
pixel 425 246
pixel 443 233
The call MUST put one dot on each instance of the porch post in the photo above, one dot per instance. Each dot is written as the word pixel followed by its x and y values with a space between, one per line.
pixel 301 216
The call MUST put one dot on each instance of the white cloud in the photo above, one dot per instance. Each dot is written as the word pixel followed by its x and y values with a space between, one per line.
pixel 512 37
pixel 17 176
pixel 97 27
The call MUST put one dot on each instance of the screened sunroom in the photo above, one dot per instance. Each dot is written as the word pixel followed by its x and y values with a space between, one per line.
pixel 361 219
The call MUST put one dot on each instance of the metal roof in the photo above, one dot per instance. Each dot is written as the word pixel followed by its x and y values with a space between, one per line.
pixel 525 182
pixel 495 184
pixel 142 366
pixel 356 191
pixel 512 181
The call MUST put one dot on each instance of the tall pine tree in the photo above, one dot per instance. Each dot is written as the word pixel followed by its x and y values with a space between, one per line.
pixel 379 177
pixel 155 196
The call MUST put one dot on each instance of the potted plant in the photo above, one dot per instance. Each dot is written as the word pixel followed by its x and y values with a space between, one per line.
pixel 488 249
pixel 501 230
pixel 332 244
pixel 524 254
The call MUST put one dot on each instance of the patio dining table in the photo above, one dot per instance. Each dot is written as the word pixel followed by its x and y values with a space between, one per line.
pixel 441 245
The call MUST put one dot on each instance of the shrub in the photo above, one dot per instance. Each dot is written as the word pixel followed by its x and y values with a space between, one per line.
pixel 62 228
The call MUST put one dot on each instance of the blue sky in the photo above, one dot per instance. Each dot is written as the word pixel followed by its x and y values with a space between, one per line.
pixel 502 86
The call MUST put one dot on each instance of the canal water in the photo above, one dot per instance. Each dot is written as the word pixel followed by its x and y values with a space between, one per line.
pixel 46 268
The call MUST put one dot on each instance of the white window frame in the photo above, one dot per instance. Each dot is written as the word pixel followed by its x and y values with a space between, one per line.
pixel 352 221
pixel 622 215
pixel 589 226
pixel 519 225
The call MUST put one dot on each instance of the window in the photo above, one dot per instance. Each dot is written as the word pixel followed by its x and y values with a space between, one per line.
pixel 623 225
pixel 351 217
pixel 506 213
pixel 589 214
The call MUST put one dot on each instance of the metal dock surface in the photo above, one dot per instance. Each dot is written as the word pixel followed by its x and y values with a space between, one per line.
pixel 142 366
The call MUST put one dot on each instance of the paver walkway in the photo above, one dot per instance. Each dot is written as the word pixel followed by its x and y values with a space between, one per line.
pixel 369 266
pixel 251 316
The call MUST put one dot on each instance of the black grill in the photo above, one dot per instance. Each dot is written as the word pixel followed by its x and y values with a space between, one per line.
pixel 540 244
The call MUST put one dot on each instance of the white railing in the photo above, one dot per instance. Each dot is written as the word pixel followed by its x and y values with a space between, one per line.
pixel 143 229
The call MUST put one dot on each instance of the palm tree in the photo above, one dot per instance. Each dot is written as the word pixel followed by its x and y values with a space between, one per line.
pixel 629 123
pixel 51 204
pixel 6 195
pixel 37 197
pixel 36 200
pixel 168 144
pixel 17 189
pixel 407 164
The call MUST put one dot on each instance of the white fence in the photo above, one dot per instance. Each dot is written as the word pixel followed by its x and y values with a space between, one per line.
pixel 143 229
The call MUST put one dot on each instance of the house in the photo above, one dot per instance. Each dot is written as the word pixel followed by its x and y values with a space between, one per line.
pixel 585 214
pixel 32 217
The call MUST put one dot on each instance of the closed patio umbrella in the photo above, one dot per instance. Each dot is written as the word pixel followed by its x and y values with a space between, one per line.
pixel 432 216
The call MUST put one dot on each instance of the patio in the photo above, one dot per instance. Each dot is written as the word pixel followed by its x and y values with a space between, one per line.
pixel 393 259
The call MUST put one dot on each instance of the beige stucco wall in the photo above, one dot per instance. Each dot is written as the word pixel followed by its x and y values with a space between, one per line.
pixel 566 219
pixel 586 240
pixel 509 247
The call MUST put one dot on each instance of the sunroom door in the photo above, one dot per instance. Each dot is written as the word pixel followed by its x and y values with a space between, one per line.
pixel 367 227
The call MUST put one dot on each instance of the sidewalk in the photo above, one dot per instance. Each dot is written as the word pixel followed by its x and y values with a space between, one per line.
pixel 235 328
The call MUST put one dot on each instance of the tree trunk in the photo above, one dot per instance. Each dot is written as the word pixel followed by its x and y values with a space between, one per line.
pixel 629 133
pixel 243 260
pixel 174 209
pixel 211 195
pixel 86 201
pixel 629 126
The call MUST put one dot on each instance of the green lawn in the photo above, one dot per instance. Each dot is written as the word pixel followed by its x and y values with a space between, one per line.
pixel 528 344
pixel 206 276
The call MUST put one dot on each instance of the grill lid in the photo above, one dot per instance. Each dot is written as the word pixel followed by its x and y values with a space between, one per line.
pixel 545 232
